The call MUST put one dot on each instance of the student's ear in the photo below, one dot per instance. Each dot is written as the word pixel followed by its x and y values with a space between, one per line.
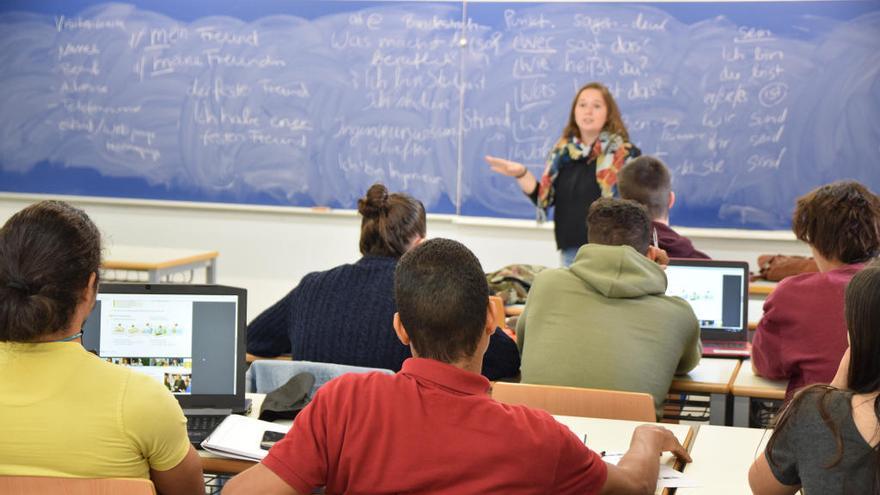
pixel 415 242
pixel 491 324
pixel 657 255
pixel 399 330
pixel 671 199
pixel 91 287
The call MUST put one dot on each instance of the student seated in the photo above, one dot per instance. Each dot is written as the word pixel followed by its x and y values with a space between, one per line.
pixel 827 440
pixel 433 428
pixel 606 322
pixel 64 412
pixel 344 315
pixel 802 334
pixel 646 180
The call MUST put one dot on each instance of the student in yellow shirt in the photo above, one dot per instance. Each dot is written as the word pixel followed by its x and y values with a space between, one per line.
pixel 63 411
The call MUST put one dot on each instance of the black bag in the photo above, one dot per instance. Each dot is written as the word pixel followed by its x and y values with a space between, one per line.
pixel 286 401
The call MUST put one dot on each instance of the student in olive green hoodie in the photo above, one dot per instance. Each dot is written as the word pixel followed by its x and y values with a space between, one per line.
pixel 605 321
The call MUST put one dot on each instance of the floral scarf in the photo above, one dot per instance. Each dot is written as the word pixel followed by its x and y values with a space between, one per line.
pixel 609 151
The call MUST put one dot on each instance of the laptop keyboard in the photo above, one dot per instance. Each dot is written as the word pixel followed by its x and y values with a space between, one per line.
pixel 198 427
pixel 729 345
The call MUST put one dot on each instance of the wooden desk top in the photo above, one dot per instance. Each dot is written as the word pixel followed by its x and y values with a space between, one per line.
pixel 214 464
pixel 722 456
pixel 761 287
pixel 150 258
pixel 747 384
pixel 711 376
pixel 613 435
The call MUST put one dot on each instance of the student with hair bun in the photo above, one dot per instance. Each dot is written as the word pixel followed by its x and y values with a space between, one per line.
pixel 64 412
pixel 344 315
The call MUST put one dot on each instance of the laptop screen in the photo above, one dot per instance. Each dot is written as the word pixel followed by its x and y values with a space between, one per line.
pixel 190 338
pixel 718 293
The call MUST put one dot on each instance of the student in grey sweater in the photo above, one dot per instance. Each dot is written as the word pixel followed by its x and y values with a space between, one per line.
pixel 827 440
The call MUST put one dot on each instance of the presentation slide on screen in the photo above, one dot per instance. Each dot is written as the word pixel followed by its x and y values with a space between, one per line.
pixel 174 373
pixel 141 327
pixel 704 290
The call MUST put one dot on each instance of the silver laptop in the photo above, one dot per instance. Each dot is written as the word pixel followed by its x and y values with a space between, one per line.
pixel 190 338
pixel 718 292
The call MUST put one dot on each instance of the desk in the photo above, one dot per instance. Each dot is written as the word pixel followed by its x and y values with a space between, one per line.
pixel 214 464
pixel 722 456
pixel 610 435
pixel 160 262
pixel 713 376
pixel 613 435
pixel 761 287
pixel 749 386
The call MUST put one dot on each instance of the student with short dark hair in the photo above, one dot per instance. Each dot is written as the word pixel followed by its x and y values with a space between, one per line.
pixel 433 428
pixel 64 412
pixel 344 315
pixel 802 334
pixel 609 307
pixel 827 440
pixel 646 180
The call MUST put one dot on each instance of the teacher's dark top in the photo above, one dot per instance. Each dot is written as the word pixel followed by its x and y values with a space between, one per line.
pixel 576 189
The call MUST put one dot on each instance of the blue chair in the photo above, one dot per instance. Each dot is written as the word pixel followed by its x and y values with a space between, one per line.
pixel 265 376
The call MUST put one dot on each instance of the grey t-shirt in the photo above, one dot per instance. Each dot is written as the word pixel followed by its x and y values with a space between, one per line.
pixel 805 446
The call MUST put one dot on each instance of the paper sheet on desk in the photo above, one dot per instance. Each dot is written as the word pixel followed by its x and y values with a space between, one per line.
pixel 667 478
pixel 239 437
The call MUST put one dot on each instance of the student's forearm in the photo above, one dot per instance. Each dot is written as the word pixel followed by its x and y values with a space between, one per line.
pixel 642 465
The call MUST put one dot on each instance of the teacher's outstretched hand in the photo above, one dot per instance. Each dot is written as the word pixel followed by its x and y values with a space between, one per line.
pixel 518 171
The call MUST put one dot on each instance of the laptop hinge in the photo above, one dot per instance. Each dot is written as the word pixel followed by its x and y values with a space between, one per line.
pixel 207 411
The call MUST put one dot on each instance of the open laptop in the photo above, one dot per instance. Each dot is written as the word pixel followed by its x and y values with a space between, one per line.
pixel 191 338
pixel 718 292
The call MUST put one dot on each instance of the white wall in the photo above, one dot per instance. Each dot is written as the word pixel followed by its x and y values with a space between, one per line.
pixel 268 249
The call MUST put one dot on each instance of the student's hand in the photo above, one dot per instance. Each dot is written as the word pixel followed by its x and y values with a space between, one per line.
pixel 506 167
pixel 658 256
pixel 662 439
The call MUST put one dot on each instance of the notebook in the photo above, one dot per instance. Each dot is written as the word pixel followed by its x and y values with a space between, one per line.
pixel 718 292
pixel 191 338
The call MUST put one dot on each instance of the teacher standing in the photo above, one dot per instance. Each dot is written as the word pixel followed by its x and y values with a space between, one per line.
pixel 581 168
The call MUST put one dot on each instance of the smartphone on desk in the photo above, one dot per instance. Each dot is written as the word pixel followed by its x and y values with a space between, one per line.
pixel 269 439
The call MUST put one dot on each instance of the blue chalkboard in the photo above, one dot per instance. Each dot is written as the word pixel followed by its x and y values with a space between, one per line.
pixel 309 102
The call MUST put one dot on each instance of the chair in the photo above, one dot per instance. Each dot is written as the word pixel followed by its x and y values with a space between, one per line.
pixel 250 358
pixel 573 401
pixel 265 376
pixel 28 485
pixel 498 310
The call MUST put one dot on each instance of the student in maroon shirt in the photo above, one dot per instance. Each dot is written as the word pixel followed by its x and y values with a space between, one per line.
pixel 646 180
pixel 802 335
pixel 432 427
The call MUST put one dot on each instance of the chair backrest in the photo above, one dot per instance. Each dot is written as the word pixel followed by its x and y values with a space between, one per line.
pixel 265 376
pixel 573 401
pixel 27 485
pixel 498 310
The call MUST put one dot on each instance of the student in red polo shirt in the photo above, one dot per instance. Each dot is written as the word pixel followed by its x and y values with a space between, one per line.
pixel 432 427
